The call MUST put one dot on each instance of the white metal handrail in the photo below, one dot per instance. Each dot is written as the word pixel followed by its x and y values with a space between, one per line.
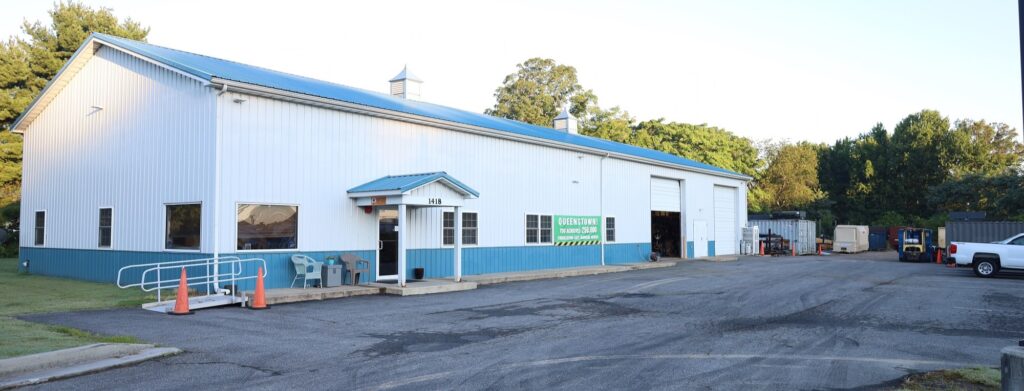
pixel 215 270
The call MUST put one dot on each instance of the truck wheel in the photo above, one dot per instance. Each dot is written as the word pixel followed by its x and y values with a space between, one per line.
pixel 986 267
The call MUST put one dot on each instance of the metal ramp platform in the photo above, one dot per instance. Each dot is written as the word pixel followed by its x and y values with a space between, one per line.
pixel 204 274
pixel 196 303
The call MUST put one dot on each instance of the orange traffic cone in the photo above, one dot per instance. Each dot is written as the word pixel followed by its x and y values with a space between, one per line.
pixel 259 298
pixel 761 251
pixel 819 248
pixel 181 302
pixel 938 256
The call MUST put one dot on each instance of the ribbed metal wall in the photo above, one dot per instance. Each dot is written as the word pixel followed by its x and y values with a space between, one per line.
pixel 802 231
pixel 982 231
pixel 125 134
pixel 155 134
pixel 282 152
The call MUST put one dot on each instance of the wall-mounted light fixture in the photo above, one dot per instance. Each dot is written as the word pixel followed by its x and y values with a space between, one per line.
pixel 239 100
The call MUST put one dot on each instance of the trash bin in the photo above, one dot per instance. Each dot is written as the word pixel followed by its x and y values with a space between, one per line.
pixel 331 275
pixel 417 273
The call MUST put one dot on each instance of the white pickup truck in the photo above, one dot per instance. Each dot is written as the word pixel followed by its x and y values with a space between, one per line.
pixel 988 258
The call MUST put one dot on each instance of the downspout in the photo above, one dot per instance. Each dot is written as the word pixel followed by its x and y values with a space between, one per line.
pixel 604 220
pixel 216 189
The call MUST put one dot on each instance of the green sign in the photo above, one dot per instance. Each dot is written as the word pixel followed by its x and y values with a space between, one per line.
pixel 577 230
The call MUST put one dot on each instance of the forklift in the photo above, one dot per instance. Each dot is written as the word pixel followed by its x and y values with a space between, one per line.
pixel 915 244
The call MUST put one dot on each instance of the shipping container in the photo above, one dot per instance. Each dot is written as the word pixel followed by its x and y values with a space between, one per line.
pixel 981 231
pixel 851 239
pixel 877 242
pixel 799 232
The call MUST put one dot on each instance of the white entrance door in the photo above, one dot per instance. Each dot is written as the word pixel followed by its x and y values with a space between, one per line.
pixel 725 221
pixel 700 238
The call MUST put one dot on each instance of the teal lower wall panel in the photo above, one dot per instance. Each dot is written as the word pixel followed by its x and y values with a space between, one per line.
pixel 689 249
pixel 103 265
pixel 94 265
pixel 620 253
pixel 711 248
pixel 281 271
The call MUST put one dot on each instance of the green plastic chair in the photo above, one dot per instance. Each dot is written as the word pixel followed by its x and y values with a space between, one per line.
pixel 307 269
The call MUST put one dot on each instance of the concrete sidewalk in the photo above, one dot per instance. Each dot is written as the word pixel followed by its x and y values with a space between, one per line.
pixel 42 367
pixel 497 278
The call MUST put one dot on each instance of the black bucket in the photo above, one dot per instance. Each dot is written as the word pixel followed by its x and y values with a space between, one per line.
pixel 417 273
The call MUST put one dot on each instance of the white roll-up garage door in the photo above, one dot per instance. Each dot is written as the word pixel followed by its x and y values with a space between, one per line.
pixel 725 220
pixel 665 195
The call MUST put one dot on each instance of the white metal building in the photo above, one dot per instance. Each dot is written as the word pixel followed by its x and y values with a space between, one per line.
pixel 137 153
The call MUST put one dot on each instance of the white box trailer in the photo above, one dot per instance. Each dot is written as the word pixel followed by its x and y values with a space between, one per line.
pixel 850 239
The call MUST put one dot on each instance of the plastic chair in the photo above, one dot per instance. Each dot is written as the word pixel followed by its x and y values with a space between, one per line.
pixel 352 266
pixel 305 268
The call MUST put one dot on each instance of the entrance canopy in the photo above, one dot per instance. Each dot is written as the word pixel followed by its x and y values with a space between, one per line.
pixel 427 189
pixel 432 189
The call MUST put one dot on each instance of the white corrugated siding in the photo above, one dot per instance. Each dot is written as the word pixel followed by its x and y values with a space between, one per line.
pixel 155 139
pixel 283 152
pixel 726 227
pixel 151 143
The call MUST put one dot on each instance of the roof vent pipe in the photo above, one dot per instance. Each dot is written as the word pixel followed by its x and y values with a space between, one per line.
pixel 565 122
pixel 406 85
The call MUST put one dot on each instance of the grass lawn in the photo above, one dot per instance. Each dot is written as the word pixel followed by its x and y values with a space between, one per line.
pixel 966 379
pixel 22 294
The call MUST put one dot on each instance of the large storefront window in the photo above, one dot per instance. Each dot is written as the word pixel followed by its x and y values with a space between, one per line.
pixel 268 227
pixel 183 226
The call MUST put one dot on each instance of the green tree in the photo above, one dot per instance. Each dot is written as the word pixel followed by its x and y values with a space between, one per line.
pixel 918 151
pixel 28 63
pixel 979 147
pixel 791 176
pixel 538 91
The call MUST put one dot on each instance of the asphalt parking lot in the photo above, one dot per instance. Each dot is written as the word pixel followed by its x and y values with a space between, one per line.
pixel 793 323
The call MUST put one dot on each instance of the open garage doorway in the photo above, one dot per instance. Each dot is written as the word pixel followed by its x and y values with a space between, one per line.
pixel 665 235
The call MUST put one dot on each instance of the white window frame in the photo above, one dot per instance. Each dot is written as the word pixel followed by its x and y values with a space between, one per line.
pixel 35 231
pixel 539 242
pixel 605 229
pixel 163 238
pixel 99 227
pixel 454 237
pixel 464 244
pixel 298 229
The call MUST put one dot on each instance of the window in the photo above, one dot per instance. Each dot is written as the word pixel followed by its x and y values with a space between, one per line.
pixel 1018 242
pixel 40 227
pixel 469 228
pixel 538 229
pixel 609 229
pixel 268 227
pixel 545 229
pixel 448 228
pixel 183 224
pixel 106 222
pixel 532 229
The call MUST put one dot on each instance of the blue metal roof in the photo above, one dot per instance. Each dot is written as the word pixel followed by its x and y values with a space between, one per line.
pixel 404 183
pixel 206 68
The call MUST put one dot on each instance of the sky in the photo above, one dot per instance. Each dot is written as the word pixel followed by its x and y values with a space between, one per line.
pixel 786 70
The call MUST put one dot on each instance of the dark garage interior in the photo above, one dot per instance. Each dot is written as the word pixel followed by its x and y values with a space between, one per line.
pixel 665 235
